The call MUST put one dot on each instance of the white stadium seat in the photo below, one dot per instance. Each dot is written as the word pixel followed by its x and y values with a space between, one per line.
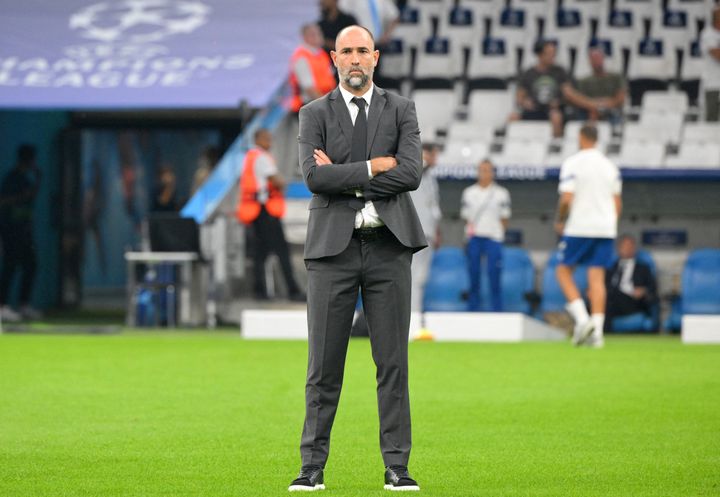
pixel 662 101
pixel 696 155
pixel 536 131
pixel 641 154
pixel 701 133
pixel 480 131
pixel 463 153
pixel 435 110
pixel 521 153
pixel 492 107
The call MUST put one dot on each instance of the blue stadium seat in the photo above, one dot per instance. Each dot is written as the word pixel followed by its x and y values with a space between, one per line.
pixel 640 321
pixel 448 282
pixel 553 299
pixel 517 280
pixel 701 282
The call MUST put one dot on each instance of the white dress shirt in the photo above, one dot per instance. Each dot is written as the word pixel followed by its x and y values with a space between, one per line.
pixel 367 217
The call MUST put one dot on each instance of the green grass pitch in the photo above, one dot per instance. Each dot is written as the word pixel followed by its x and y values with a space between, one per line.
pixel 209 414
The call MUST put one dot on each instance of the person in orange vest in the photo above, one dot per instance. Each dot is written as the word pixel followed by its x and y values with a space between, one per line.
pixel 261 205
pixel 311 74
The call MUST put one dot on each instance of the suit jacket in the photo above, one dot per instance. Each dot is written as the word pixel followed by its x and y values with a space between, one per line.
pixel 325 123
pixel 642 277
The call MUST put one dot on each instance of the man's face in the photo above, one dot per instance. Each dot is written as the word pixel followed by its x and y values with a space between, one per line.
pixel 313 36
pixel 597 59
pixel 485 173
pixel 355 58
pixel 547 56
pixel 264 140
pixel 626 248
pixel 430 156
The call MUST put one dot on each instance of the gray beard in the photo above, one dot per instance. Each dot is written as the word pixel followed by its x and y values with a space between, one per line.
pixel 357 82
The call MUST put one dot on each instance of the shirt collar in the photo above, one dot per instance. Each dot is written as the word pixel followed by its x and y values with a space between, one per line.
pixel 347 96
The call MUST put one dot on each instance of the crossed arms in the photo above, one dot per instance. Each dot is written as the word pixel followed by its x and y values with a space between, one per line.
pixel 390 175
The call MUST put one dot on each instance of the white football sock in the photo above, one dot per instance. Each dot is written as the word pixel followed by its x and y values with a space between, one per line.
pixel 578 311
pixel 598 321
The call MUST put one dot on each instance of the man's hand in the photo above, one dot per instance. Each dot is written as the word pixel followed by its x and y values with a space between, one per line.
pixel 382 164
pixel 559 227
pixel 321 158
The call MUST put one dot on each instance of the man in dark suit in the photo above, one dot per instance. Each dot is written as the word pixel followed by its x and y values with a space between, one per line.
pixel 631 286
pixel 360 154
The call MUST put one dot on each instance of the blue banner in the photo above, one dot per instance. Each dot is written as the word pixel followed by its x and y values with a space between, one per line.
pixel 146 53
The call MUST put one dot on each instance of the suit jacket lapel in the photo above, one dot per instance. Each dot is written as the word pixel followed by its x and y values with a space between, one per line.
pixel 342 114
pixel 377 104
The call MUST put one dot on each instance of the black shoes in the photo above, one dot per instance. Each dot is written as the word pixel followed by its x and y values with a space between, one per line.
pixel 397 478
pixel 309 480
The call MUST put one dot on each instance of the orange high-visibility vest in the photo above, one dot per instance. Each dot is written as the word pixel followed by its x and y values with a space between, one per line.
pixel 248 208
pixel 320 66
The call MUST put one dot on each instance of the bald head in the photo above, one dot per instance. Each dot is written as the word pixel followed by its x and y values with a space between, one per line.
pixel 354 31
pixel 355 58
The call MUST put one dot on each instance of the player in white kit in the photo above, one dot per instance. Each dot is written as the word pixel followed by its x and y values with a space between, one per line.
pixel 588 212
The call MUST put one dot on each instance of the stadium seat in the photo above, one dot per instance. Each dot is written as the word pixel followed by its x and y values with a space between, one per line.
pixel 448 282
pixel 651 66
pixel 674 26
pixel 552 298
pixel 662 101
pixel 521 153
pixel 396 61
pixel 640 321
pixel 641 154
pixel 435 110
pixel 691 71
pixel 459 24
pixel 695 155
pixel 701 133
pixel 661 128
pixel 537 131
pixel 621 26
pixel 517 280
pixel 492 107
pixel 696 9
pixel 666 127
pixel 463 152
pixel 477 131
pixel 518 27
pixel 439 63
pixel 701 282
pixel 570 28
pixel 492 62
pixel 413 26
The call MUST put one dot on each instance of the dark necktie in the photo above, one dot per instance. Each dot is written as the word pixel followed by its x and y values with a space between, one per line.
pixel 359 137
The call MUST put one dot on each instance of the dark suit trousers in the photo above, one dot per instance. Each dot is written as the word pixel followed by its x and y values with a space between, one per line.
pixel 381 269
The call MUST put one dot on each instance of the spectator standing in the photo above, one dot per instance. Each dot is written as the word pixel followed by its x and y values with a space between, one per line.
pixel 588 211
pixel 261 205
pixel 486 208
pixel 631 286
pixel 601 95
pixel 427 204
pixel 18 191
pixel 165 198
pixel 544 88
pixel 311 74
pixel 378 16
pixel 710 46
pixel 206 164
pixel 332 21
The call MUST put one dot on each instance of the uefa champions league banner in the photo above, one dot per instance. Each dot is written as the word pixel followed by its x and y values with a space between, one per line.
pixel 74 54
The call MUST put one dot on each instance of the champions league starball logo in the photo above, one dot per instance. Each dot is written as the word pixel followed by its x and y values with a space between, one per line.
pixel 138 21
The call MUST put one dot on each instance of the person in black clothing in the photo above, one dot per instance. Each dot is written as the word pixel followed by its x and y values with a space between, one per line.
pixel 17 198
pixel 332 21
pixel 631 286
pixel 165 197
